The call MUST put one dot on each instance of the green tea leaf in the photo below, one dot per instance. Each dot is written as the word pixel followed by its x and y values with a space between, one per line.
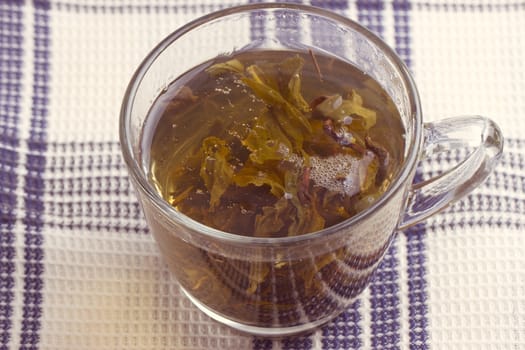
pixel 319 263
pixel 307 218
pixel 259 177
pixel 233 66
pixel 295 96
pixel 258 274
pixel 321 143
pixel 216 171
pixel 273 219
pixel 264 74
pixel 267 141
pixel 279 86
pixel 290 70
pixel 347 111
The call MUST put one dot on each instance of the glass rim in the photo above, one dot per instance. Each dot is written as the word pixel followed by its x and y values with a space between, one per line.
pixel 140 178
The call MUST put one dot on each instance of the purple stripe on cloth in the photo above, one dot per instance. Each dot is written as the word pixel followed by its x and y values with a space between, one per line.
pixel 471 223
pixel 384 302
pixel 96 227
pixel 513 159
pixel 11 54
pixel 416 267
pixel 491 203
pixel 292 34
pixel 369 13
pixel 402 10
pixel 12 2
pixel 257 26
pixel 301 342
pixel 130 7
pixel 384 289
pixel 291 24
pixel 335 5
pixel 34 183
pixel 319 29
pixel 262 343
pixel 332 5
pixel 417 286
pixel 510 183
pixel 344 331
pixel 513 142
pixel 480 6
pixel 98 200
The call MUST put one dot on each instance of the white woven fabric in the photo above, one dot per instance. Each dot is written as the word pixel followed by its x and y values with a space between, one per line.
pixel 78 267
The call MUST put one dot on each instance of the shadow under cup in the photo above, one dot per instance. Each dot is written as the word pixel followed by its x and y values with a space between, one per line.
pixel 271 286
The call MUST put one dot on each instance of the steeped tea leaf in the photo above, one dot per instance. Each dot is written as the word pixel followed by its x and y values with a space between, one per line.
pixel 255 175
pixel 347 111
pixel 291 119
pixel 233 65
pixel 307 218
pixel 267 141
pixel 278 85
pixel 290 71
pixel 258 273
pixel 273 219
pixel 216 171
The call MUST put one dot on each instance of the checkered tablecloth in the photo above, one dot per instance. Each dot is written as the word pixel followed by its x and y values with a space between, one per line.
pixel 78 267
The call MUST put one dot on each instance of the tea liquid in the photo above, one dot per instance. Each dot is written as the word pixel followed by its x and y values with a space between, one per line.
pixel 273 143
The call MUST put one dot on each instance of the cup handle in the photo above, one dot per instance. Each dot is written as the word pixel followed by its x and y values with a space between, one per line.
pixel 477 134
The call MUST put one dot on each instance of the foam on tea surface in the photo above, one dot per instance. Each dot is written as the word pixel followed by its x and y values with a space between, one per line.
pixel 340 173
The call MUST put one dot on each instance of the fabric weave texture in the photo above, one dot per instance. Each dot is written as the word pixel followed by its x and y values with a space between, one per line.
pixel 78 266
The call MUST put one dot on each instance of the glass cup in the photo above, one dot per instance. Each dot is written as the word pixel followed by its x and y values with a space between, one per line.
pixel 311 278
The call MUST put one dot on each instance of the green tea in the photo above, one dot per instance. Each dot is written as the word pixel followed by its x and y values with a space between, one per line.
pixel 273 143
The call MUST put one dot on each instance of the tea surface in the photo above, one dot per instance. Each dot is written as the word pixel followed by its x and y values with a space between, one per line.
pixel 273 143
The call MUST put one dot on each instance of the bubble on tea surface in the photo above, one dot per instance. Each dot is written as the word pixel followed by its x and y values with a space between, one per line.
pixel 339 173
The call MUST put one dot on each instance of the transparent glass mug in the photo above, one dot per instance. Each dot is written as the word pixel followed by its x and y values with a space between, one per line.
pixel 310 278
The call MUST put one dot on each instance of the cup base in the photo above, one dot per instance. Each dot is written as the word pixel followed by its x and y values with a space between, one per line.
pixel 271 332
